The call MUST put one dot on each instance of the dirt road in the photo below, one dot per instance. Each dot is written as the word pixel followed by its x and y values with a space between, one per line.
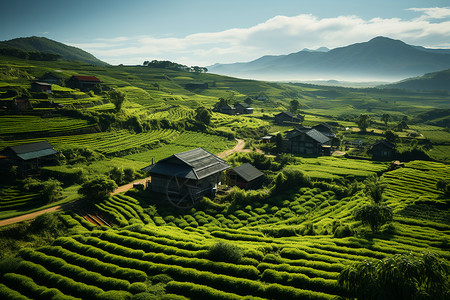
pixel 29 216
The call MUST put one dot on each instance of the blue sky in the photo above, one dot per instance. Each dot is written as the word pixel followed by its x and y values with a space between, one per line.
pixel 204 32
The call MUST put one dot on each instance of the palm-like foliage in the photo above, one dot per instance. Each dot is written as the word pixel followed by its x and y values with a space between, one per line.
pixel 402 276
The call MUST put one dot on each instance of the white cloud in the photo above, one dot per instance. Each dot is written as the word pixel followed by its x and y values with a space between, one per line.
pixel 278 35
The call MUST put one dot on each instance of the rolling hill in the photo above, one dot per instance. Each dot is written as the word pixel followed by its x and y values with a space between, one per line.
pixel 380 59
pixel 46 45
pixel 431 81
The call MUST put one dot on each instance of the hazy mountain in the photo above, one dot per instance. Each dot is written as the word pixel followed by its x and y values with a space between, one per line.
pixel 380 59
pixel 43 44
pixel 431 81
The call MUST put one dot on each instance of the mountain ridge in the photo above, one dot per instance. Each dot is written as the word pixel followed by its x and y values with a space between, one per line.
pixel 42 44
pixel 380 59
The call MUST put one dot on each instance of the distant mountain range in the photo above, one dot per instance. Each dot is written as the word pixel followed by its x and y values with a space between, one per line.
pixel 380 59
pixel 46 45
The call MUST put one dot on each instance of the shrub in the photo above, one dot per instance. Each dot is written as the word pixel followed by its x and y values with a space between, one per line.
pixel 223 251
pixel 97 188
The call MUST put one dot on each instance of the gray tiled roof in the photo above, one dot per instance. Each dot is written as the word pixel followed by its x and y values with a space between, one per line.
pixel 193 164
pixel 33 150
pixel 248 172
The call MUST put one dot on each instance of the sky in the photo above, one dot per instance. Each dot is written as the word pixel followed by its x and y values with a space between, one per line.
pixel 205 32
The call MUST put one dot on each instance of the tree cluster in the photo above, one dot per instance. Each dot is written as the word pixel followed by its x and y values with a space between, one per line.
pixel 166 64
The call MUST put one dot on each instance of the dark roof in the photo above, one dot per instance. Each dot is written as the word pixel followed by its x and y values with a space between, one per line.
pixel 287 113
pixel 193 164
pixel 312 133
pixel 323 128
pixel 244 105
pixel 33 150
pixel 227 107
pixel 87 78
pixel 248 172
pixel 384 143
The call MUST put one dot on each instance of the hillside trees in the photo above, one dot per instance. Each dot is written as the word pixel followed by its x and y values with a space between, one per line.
pixel 363 122
pixel 375 214
pixel 203 115
pixel 386 118
pixel 294 105
pixel 402 276
pixel 117 98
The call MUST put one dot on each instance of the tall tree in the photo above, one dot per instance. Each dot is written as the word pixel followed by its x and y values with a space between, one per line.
pixel 386 118
pixel 203 115
pixel 117 98
pixel 294 105
pixel 363 122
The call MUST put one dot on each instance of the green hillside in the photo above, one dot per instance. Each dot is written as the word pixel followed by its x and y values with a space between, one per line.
pixel 290 239
pixel 431 81
pixel 42 44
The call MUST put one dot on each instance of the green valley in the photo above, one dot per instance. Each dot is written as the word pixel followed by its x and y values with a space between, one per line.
pixel 289 239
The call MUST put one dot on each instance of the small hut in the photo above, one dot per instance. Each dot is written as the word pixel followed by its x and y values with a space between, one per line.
pixel 245 176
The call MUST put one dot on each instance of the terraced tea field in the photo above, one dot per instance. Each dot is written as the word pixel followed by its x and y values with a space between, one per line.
pixel 290 245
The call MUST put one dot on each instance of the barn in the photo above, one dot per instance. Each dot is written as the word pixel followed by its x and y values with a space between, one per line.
pixel 286 117
pixel 187 175
pixel 28 157
pixel 382 150
pixel 245 176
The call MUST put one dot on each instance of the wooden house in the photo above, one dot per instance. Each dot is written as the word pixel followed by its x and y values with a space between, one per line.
pixel 28 157
pixel 243 108
pixel 84 83
pixel 245 176
pixel 50 78
pixel 41 87
pixel 304 141
pixel 228 109
pixel 382 150
pixel 286 117
pixel 187 175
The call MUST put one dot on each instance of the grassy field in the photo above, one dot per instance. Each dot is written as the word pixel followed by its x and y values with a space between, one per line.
pixel 289 244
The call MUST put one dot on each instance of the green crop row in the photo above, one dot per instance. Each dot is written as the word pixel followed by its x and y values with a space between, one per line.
pixel 148 246
pixel 95 265
pixel 11 294
pixel 124 209
pixel 28 287
pixel 65 284
pixel 134 204
pixel 112 213
pixel 310 272
pixel 301 281
pixel 244 271
pixel 198 291
pixel 60 266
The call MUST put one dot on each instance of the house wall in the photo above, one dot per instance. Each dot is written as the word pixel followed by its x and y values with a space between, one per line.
pixel 303 144
pixel 382 152
pixel 162 184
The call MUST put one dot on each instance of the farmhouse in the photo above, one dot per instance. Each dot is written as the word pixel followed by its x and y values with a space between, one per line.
pixel 41 87
pixel 28 157
pixel 286 117
pixel 191 174
pixel 382 150
pixel 50 78
pixel 245 176
pixel 306 141
pixel 84 83
pixel 228 109
pixel 243 108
